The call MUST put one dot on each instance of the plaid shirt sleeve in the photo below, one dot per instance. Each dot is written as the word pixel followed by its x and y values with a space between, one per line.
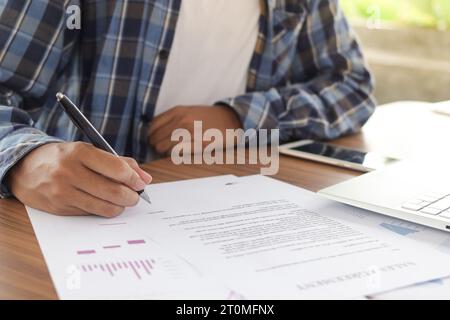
pixel 334 100
pixel 327 93
pixel 28 63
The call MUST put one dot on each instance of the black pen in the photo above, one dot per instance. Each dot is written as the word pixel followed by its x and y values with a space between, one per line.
pixel 89 130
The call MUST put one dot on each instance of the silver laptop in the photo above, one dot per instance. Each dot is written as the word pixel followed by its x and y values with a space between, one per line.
pixel 414 192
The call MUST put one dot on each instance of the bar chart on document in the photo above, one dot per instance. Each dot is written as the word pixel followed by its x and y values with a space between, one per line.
pixel 108 259
pixel 136 269
pixel 129 267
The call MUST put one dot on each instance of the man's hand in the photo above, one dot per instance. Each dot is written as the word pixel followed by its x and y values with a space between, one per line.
pixel 183 117
pixel 77 179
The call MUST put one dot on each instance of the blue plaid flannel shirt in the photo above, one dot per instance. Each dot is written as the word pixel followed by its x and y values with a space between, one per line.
pixel 307 76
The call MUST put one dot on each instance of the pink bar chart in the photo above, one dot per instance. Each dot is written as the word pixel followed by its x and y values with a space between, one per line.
pixel 138 268
pixel 83 252
pixel 110 246
pixel 132 242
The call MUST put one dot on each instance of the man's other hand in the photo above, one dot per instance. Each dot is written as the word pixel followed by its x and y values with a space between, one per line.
pixel 183 117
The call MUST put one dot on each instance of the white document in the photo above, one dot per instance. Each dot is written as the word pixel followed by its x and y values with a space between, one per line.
pixel 438 289
pixel 442 108
pixel 229 237
pixel 435 240
pixel 97 258
pixel 268 239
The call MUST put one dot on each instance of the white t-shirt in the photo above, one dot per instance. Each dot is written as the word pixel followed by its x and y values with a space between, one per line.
pixel 211 52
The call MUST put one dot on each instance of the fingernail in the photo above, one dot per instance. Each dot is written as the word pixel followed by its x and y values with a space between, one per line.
pixel 148 177
pixel 140 184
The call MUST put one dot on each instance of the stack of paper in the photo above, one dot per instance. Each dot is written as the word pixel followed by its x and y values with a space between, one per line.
pixel 237 238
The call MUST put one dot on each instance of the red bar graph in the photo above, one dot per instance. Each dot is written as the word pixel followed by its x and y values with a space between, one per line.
pixel 138 268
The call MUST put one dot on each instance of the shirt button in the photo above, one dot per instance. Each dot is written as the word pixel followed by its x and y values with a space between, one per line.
pixel 164 54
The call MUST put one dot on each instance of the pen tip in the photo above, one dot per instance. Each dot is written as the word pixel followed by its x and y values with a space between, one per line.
pixel 59 96
pixel 145 197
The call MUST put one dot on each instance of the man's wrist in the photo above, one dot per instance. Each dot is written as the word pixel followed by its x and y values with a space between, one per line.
pixel 10 172
pixel 234 116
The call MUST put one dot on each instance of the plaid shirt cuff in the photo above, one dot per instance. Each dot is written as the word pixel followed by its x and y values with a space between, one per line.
pixel 253 109
pixel 12 155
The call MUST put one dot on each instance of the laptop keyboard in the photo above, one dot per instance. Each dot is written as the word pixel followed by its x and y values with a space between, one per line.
pixel 434 203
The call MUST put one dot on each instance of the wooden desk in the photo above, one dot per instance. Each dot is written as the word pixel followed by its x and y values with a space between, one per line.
pixel 398 129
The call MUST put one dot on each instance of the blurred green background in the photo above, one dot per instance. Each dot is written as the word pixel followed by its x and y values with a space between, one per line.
pixel 418 13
